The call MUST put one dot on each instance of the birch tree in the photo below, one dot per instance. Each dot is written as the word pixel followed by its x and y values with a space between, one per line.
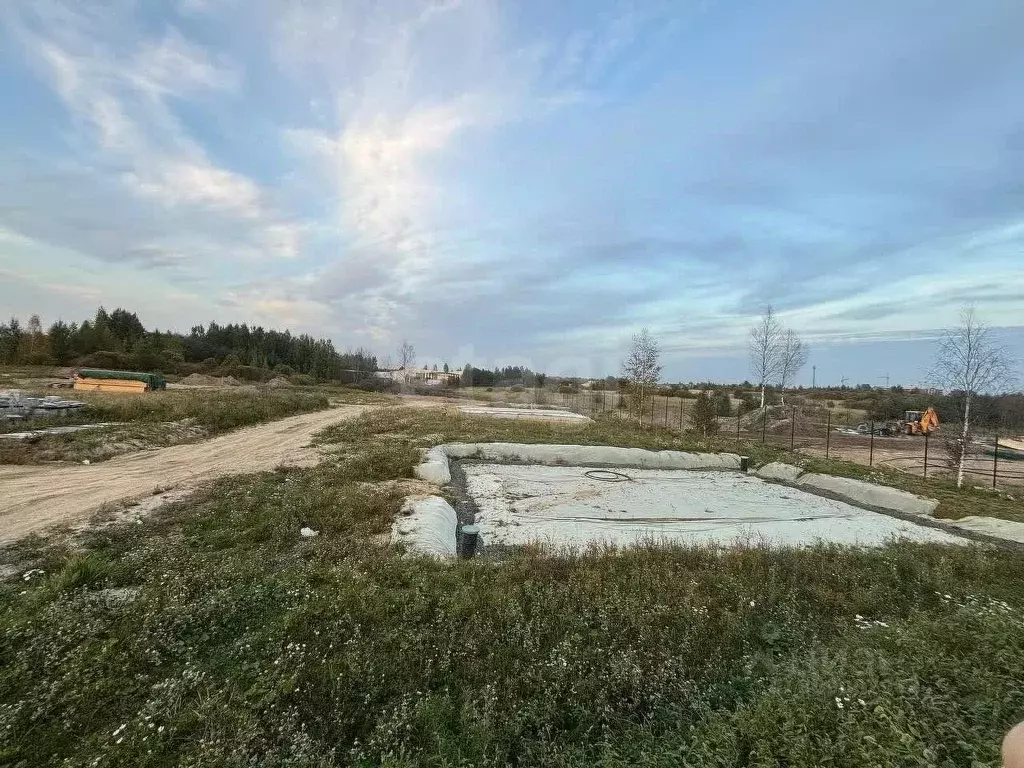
pixel 970 361
pixel 642 367
pixel 793 354
pixel 765 350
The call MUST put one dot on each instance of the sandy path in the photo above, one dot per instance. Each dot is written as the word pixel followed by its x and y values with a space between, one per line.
pixel 35 497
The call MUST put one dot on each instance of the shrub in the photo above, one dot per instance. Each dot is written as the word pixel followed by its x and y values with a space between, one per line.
pixel 703 421
pixel 375 384
pixel 723 405
pixel 105 359
pixel 283 370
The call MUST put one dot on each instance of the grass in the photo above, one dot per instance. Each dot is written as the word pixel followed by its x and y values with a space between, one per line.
pixel 165 418
pixel 213 634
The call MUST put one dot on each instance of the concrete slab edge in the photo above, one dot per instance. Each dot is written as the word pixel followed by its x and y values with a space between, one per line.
pixel 895 503
pixel 427 525
pixel 434 467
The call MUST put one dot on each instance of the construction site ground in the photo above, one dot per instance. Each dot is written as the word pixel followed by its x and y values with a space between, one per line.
pixel 37 497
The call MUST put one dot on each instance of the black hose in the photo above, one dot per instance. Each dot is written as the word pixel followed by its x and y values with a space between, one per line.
pixel 607 476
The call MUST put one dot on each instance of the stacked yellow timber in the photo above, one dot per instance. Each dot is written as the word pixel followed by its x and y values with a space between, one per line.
pixel 110 385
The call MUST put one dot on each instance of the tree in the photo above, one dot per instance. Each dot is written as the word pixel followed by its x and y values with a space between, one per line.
pixel 641 367
pixel 36 344
pixel 765 345
pixel 793 354
pixel 971 361
pixel 703 420
pixel 10 342
pixel 445 369
pixel 723 405
pixel 60 334
pixel 406 358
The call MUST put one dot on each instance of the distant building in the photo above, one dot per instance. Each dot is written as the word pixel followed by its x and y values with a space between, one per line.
pixel 423 375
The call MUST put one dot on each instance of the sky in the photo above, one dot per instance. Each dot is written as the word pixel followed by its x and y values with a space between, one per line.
pixel 523 182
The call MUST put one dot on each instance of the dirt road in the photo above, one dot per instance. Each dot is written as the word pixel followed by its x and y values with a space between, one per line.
pixel 36 497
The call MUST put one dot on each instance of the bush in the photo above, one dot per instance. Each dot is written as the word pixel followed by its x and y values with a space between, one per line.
pixel 748 403
pixel 376 384
pixel 515 388
pixel 243 372
pixel 723 405
pixel 283 370
pixel 301 380
pixel 703 421
pixel 105 359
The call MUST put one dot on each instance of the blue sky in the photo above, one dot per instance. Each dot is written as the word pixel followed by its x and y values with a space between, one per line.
pixel 522 182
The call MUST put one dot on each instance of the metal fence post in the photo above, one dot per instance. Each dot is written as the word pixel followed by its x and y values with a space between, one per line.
pixel 927 437
pixel 995 462
pixel 828 432
pixel 666 411
pixel 737 421
pixel 792 428
pixel 871 452
pixel 680 415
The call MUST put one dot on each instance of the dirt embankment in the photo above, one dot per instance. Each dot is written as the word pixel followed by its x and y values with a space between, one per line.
pixel 35 497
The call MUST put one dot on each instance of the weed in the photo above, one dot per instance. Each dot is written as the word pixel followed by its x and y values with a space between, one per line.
pixel 247 644
pixel 80 571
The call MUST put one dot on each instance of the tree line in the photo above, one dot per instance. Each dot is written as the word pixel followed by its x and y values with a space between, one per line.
pixel 509 376
pixel 119 339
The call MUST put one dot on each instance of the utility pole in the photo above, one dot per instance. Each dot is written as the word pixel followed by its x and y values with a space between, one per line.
pixel 842 381
pixel 814 377
pixel 886 377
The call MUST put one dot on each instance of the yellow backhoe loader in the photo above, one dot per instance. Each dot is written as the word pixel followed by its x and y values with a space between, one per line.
pixel 918 423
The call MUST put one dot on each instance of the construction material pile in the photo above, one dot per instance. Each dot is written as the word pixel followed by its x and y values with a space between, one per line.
pixel 96 380
pixel 15 406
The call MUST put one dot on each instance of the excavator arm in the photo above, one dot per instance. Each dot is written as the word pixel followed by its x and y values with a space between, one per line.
pixel 929 421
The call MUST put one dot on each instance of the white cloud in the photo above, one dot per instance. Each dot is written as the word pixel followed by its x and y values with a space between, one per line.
pixel 118 84
pixel 175 67
pixel 186 182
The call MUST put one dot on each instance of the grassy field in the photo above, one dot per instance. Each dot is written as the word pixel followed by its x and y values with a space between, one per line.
pixel 213 634
pixel 164 418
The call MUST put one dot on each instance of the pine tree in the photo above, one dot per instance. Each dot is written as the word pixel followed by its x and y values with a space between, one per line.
pixel 703 420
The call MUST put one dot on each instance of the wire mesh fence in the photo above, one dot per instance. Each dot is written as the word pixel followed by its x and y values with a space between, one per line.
pixel 811 430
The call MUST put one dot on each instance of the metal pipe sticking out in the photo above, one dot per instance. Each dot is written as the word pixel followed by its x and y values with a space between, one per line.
pixel 744 463
pixel 469 539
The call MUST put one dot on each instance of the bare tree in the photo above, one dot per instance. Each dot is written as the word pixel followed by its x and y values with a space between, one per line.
pixel 793 354
pixel 641 367
pixel 970 361
pixel 765 349
pixel 406 358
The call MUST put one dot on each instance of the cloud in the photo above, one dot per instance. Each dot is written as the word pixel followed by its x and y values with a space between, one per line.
pixel 119 85
pixel 525 181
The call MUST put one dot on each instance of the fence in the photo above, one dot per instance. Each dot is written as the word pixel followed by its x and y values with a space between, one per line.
pixel 814 431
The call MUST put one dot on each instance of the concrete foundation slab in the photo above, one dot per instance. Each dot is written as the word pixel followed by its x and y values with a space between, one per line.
pixel 563 506
pixel 542 414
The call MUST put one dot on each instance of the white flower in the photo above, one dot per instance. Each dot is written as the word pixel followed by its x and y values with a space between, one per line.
pixel 752 603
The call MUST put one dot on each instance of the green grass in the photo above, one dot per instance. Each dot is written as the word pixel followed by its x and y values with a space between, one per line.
pixel 242 643
pixel 165 418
